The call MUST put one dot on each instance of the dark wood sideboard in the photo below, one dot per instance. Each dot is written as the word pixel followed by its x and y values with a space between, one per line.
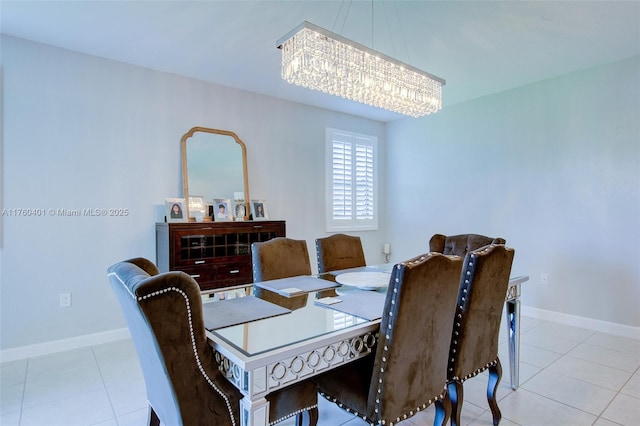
pixel 216 254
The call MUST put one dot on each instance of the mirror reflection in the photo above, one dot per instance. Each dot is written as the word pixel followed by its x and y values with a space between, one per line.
pixel 214 165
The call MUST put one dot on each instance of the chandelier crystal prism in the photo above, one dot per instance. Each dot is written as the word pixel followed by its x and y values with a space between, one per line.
pixel 318 59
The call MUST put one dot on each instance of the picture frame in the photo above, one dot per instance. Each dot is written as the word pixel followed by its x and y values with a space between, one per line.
pixel 175 210
pixel 259 210
pixel 197 208
pixel 240 210
pixel 221 209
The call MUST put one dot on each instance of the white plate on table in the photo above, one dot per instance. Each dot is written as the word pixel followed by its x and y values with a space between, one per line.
pixel 364 280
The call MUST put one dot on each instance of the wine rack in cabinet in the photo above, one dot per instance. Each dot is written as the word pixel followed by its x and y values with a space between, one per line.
pixel 215 254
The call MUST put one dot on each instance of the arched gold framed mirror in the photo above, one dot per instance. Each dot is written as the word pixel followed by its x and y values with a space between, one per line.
pixel 214 166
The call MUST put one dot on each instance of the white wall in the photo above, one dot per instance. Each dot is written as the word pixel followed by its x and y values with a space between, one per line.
pixel 85 132
pixel 553 167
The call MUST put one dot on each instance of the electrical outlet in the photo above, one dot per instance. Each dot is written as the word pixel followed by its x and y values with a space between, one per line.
pixel 65 300
pixel 544 278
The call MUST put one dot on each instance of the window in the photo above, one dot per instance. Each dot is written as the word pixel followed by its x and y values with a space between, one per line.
pixel 352 181
pixel 341 320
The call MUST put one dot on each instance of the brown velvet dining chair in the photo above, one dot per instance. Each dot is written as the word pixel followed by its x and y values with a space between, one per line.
pixel 408 371
pixel 460 245
pixel 278 258
pixel 183 383
pixel 474 340
pixel 339 251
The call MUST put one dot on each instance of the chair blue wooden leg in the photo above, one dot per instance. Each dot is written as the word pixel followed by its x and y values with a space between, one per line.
pixel 495 374
pixel 443 411
pixel 311 415
pixel 456 396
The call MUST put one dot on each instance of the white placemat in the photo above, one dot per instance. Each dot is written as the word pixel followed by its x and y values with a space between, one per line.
pixel 295 286
pixel 225 313
pixel 364 280
pixel 364 304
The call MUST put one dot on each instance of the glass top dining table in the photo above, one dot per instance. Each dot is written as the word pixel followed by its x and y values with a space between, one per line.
pixel 322 330
pixel 310 321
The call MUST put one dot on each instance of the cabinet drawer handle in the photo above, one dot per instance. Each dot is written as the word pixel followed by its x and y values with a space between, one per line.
pixel 235 271
pixel 195 276
pixel 199 262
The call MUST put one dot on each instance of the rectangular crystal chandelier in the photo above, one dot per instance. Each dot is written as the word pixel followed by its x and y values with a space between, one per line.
pixel 318 59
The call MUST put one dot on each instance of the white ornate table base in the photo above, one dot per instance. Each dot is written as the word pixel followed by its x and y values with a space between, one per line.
pixel 260 375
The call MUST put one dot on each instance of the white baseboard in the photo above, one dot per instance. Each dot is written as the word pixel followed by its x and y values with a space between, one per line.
pixel 54 346
pixel 583 322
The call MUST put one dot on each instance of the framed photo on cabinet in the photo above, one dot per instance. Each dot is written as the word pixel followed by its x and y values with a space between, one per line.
pixel 259 210
pixel 197 208
pixel 239 209
pixel 175 210
pixel 221 209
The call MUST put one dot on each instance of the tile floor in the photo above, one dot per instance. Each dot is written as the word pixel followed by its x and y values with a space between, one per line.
pixel 569 376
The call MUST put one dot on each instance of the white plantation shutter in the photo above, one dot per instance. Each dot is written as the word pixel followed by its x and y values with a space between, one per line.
pixel 342 180
pixel 364 180
pixel 351 181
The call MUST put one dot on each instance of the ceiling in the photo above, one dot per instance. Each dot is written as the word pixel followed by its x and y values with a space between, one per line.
pixel 478 47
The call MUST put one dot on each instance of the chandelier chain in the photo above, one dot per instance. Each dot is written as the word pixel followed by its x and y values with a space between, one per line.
pixel 346 15
pixel 402 36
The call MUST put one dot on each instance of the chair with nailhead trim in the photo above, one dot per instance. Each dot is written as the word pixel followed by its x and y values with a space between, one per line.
pixel 462 244
pixel 474 341
pixel 339 251
pixel 408 371
pixel 184 385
